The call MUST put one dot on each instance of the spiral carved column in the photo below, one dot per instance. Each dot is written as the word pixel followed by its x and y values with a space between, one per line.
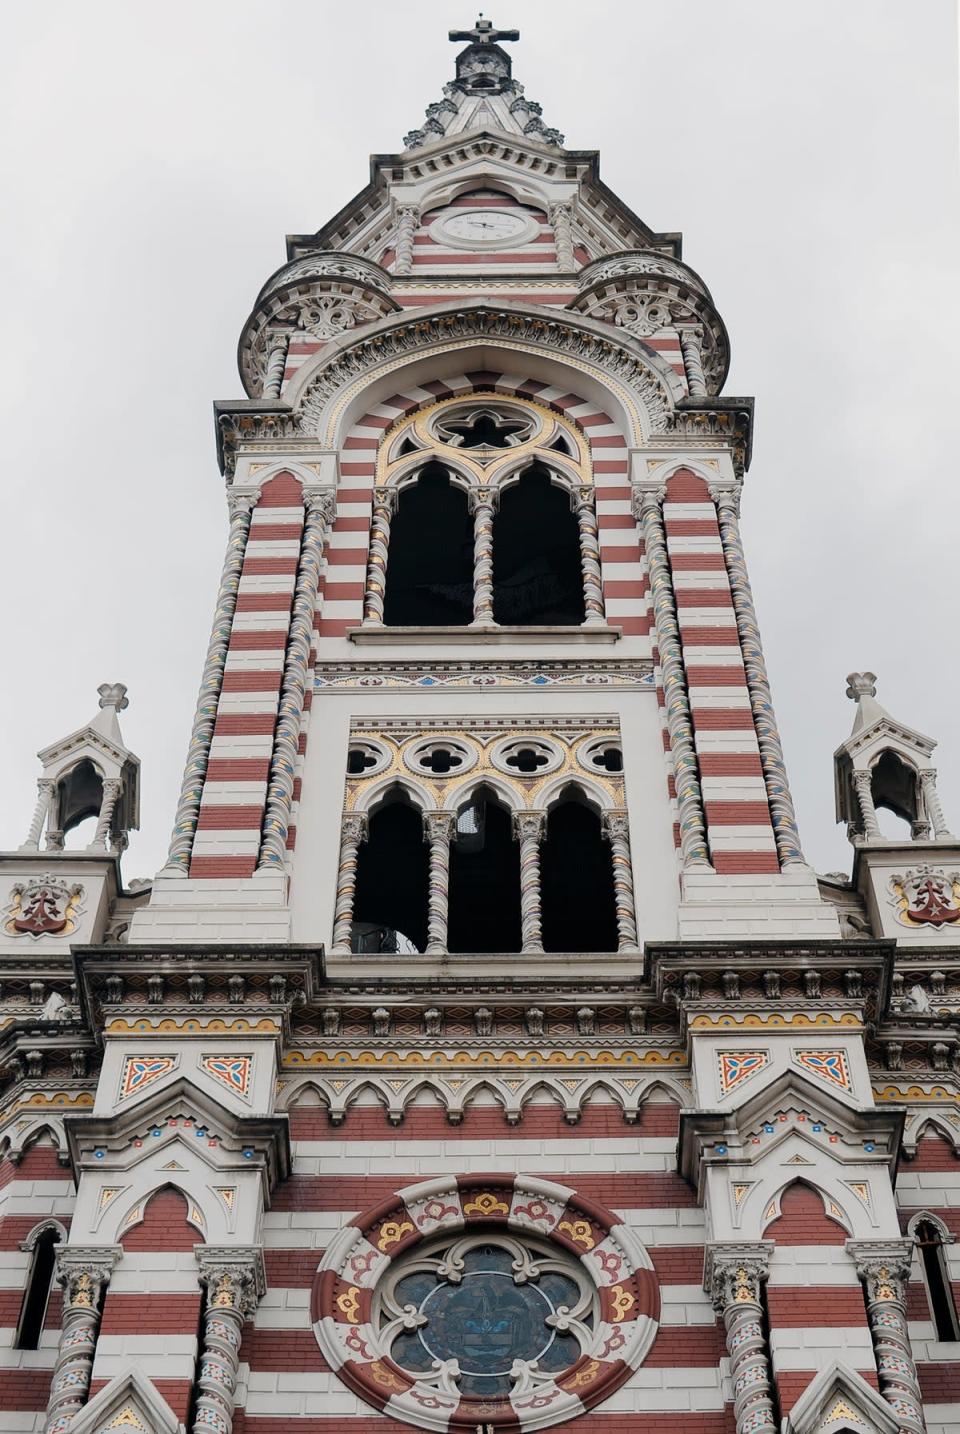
pixel 46 786
pixel 234 1282
pixel 693 836
pixel 384 507
pixel 111 794
pixel 779 800
pixel 884 1268
pixel 188 807
pixel 407 220
pixel 84 1271
pixel 484 506
pixel 561 217
pixel 276 363
pixel 529 829
pixel 582 502
pixel 691 346
pixel 438 830
pixel 353 831
pixel 734 1276
pixel 863 785
pixel 617 833
pixel 273 847
pixel 931 801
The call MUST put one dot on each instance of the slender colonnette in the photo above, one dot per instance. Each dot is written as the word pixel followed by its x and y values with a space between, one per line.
pixel 691 346
pixel 582 502
pixel 617 831
pixel 884 1267
pixel 693 837
pixel 241 507
pixel 784 817
pixel 438 830
pixel 384 507
pixel 736 1274
pixel 483 501
pixel 529 829
pixel 83 1272
pixel 234 1281
pixel 319 512
pixel 353 831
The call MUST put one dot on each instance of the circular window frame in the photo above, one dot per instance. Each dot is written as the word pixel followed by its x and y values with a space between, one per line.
pixel 440 232
pixel 360 1257
pixel 596 744
pixel 412 755
pixel 382 758
pixel 499 754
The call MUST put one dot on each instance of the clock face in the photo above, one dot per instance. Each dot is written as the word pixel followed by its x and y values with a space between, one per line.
pixel 483 228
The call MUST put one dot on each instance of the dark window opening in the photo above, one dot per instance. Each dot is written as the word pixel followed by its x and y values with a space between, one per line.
pixel 359 760
pixel 390 904
pixel 34 1308
pixel 527 759
pixel 429 580
pixel 484 910
pixel 561 445
pixel 406 447
pixel 536 556
pixel 939 1292
pixel 441 761
pixel 576 882
pixel 80 796
pixel 894 787
pixel 765 1330
pixel 610 759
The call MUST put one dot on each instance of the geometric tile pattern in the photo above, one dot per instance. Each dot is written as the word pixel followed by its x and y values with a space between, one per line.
pixel 231 1071
pixel 737 1066
pixel 830 1066
pixel 141 1071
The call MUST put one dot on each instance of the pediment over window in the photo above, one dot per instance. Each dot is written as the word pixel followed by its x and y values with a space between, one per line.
pixel 129 1404
pixel 838 1400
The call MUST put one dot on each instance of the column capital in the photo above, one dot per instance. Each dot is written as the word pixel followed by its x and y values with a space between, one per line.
pixel 883 1265
pixel 726 495
pixel 529 826
pixel 320 503
pixel 648 498
pixel 439 826
pixel 234 1277
pixel 241 504
pixel 354 826
pixel 386 498
pixel 485 496
pixel 734 1270
pixel 83 1270
pixel 46 784
pixel 615 824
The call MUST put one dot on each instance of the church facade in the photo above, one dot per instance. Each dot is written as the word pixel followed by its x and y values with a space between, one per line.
pixel 486 1056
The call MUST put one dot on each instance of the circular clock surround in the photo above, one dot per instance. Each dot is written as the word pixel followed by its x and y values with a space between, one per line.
pixel 483 228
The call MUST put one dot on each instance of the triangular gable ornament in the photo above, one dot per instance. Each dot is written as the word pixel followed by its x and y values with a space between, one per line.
pixel 829 1066
pixel 839 1399
pixel 734 1067
pixel 129 1402
pixel 231 1071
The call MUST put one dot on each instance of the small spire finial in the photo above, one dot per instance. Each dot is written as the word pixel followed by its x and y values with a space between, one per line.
pixel 483 33
pixel 113 694
pixel 861 684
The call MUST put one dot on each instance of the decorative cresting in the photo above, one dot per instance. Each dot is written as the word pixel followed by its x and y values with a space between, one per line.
pixel 884 1268
pixel 438 832
pixel 320 507
pixel 234 1280
pixel 616 829
pixel 188 807
pixel 448 432
pixel 317 297
pixel 785 831
pixel 648 507
pixel 84 1271
pixel 353 831
pixel 734 1274
pixel 614 1319
pixel 529 829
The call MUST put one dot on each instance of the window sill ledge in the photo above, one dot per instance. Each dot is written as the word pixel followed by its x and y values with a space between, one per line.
pixel 376 635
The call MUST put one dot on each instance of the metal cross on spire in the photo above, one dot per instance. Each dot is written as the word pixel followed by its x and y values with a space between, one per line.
pixel 483 33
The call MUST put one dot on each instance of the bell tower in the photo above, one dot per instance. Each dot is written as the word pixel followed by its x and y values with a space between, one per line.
pixel 486 1051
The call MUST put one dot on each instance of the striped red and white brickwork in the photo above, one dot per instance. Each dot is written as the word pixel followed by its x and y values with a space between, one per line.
pixel 234 794
pixel 930 1184
pixel 151 1313
pixel 739 828
pixel 536 255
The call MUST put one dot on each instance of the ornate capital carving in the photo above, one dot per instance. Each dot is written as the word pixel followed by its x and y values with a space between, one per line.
pixel 735 1271
pixel 354 827
pixel 529 826
pixel 647 500
pixel 234 1277
pixel 385 498
pixel 615 826
pixel 726 496
pixel 83 1270
pixel 439 826
pixel 241 504
pixel 884 1267
pixel 320 503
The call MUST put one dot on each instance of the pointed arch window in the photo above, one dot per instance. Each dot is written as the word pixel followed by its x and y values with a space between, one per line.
pixel 537 578
pixel 579 908
pixel 429 578
pixel 931 1246
pixel 36 1298
pixel 390 906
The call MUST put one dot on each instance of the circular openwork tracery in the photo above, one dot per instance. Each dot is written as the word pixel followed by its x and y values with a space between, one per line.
pixel 485 1300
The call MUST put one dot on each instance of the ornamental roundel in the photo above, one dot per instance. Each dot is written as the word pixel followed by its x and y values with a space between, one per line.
pixel 485 1300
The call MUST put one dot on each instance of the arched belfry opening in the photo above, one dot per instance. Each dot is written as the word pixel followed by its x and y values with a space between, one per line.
pixel 537 579
pixel 893 786
pixel 484 859
pixel 429 578
pixel 79 796
pixel 390 907
pixel 576 879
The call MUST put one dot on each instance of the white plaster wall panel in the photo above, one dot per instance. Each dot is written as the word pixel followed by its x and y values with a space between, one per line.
pixel 780 1048
pixel 188 1053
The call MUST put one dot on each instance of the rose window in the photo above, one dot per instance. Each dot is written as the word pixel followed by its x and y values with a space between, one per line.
pixel 485 1300
pixel 489 1312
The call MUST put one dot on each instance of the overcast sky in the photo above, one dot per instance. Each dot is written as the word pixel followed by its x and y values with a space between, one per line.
pixel 154 157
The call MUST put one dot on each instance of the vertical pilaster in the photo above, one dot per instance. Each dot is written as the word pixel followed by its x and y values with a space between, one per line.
pixel 884 1268
pixel 438 831
pixel 191 790
pixel 384 506
pixel 783 816
pixel 617 832
pixel 529 829
pixel 84 1272
pixel 691 346
pixel 483 502
pixel 582 502
pixel 648 506
pixel 234 1283
pixel 320 506
pixel 734 1275
pixel 353 831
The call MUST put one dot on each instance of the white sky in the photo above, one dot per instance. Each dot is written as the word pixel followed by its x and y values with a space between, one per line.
pixel 154 157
